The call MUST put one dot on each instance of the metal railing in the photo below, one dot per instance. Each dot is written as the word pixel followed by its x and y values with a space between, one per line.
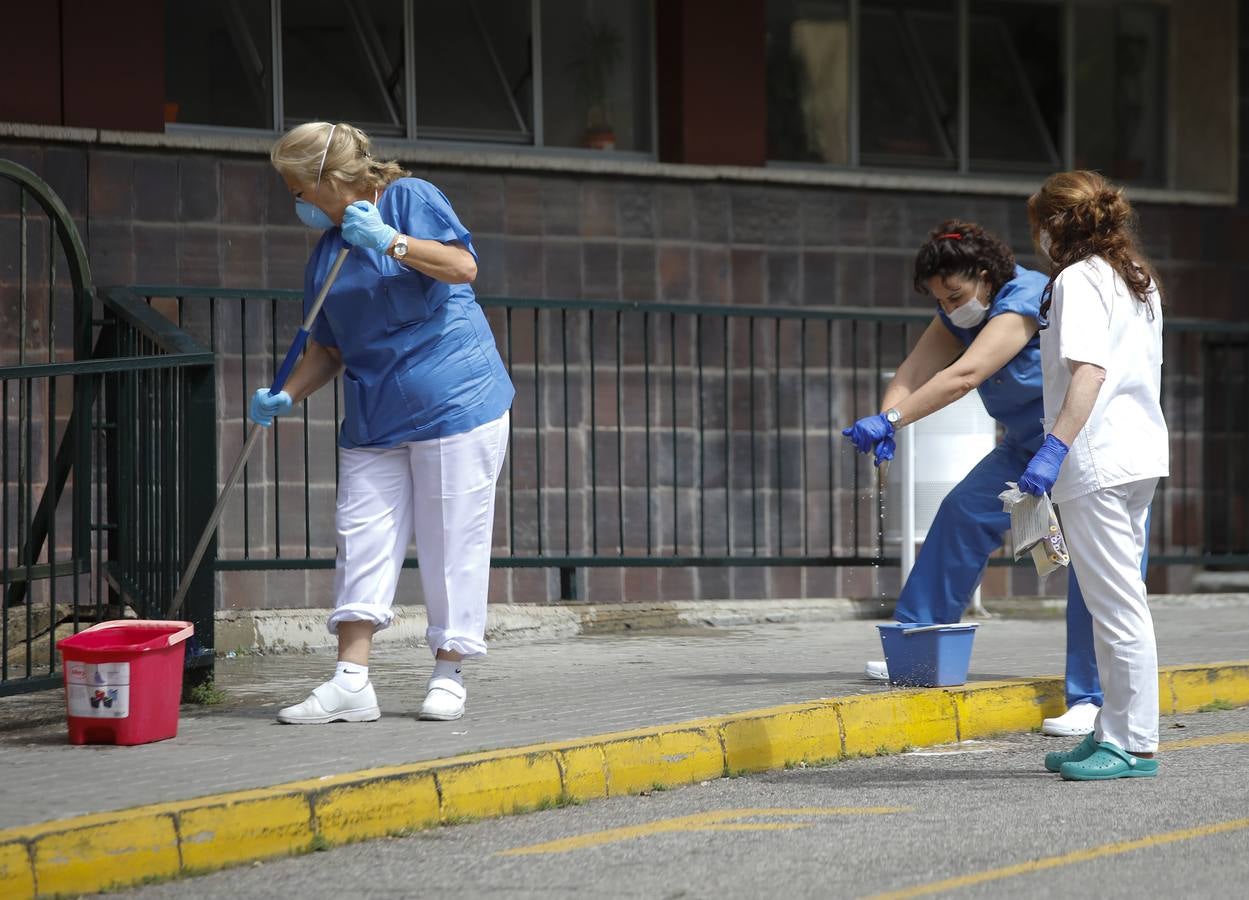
pixel 1206 403
pixel 156 435
pixel 102 400
pixel 663 435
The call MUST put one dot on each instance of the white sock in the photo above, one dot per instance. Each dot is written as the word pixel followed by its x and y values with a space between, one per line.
pixel 448 668
pixel 350 677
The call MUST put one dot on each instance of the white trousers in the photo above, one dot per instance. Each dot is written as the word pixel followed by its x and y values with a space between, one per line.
pixel 1105 534
pixel 442 493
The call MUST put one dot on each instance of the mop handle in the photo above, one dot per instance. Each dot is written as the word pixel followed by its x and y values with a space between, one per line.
pixel 301 338
pixel 253 434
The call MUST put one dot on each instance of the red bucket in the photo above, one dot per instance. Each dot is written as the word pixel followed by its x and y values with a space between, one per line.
pixel 123 681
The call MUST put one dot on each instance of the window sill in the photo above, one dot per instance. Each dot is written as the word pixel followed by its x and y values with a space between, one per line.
pixel 626 165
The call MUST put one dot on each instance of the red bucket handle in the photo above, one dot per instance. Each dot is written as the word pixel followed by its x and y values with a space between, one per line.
pixel 164 640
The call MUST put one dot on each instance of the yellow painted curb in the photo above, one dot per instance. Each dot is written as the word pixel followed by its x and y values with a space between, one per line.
pixel 89 853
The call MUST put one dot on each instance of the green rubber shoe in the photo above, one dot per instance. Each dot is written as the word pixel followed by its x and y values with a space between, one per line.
pixel 1110 761
pixel 1082 751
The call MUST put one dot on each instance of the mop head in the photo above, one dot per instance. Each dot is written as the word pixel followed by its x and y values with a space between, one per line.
pixel 1034 528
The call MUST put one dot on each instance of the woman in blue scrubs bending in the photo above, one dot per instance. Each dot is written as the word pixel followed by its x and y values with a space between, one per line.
pixel 984 337
pixel 425 422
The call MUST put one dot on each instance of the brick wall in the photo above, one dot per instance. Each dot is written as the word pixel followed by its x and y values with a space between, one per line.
pixel 215 219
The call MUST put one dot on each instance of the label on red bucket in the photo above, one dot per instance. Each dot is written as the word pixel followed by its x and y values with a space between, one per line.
pixel 98 690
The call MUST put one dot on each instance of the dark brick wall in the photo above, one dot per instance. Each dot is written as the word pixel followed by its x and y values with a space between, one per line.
pixel 209 219
pixel 203 219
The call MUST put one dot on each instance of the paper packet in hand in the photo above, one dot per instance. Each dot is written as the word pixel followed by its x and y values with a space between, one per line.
pixel 1034 528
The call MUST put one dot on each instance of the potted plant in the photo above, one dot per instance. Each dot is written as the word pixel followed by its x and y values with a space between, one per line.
pixel 593 70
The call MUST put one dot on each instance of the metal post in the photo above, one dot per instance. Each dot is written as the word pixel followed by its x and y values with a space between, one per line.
pixel 535 49
pixel 199 492
pixel 908 501
pixel 964 86
pixel 567 583
pixel 854 138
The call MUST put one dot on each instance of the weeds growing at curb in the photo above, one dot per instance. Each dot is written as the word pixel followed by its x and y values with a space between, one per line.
pixel 206 694
pixel 318 844
pixel 1218 704
pixel 821 762
pixel 562 801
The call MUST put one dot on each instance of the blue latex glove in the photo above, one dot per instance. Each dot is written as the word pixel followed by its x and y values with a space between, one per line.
pixel 363 227
pixel 265 406
pixel 884 450
pixel 1042 471
pixel 866 433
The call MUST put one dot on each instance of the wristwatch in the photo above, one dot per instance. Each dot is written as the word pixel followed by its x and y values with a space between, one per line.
pixel 892 415
pixel 400 250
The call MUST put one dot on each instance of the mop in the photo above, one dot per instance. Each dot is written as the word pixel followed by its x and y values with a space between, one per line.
pixel 292 356
pixel 1034 529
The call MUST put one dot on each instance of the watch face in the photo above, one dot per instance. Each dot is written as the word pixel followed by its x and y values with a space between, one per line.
pixel 401 249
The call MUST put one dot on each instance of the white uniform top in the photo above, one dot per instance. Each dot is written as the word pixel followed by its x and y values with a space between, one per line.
pixel 1094 318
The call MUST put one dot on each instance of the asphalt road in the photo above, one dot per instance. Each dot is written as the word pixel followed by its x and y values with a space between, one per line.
pixel 972 820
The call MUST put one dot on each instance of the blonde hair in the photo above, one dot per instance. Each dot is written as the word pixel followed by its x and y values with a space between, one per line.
pixel 298 155
pixel 1085 215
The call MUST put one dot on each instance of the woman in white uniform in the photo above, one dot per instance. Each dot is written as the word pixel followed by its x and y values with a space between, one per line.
pixel 425 422
pixel 1106 448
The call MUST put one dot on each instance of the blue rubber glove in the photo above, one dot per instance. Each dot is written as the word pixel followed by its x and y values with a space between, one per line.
pixel 884 450
pixel 265 406
pixel 363 227
pixel 1042 471
pixel 866 433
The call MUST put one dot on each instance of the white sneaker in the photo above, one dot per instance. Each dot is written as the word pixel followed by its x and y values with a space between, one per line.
pixel 876 670
pixel 444 700
pixel 1074 722
pixel 331 703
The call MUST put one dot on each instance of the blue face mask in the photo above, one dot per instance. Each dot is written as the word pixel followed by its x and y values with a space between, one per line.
pixel 312 215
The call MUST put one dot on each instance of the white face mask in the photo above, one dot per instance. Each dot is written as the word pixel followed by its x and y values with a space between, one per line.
pixel 1045 242
pixel 309 213
pixel 970 314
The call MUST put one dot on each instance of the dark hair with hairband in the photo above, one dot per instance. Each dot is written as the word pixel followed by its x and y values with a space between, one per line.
pixel 963 248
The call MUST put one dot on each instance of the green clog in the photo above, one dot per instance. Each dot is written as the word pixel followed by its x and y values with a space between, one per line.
pixel 1082 751
pixel 1109 761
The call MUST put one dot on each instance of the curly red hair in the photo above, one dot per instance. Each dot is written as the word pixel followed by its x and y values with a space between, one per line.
pixel 1085 215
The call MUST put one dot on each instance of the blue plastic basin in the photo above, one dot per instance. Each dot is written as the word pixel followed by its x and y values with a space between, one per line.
pixel 937 658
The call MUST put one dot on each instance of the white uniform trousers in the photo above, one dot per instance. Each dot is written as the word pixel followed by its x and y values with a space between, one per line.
pixel 440 491
pixel 1105 534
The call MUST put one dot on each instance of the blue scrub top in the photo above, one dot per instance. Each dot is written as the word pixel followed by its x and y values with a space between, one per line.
pixel 1012 395
pixel 420 359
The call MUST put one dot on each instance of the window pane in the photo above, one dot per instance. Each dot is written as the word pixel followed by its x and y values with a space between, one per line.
pixel 1016 86
pixel 344 62
pixel 908 83
pixel 808 58
pixel 217 64
pixel 596 74
pixel 474 73
pixel 1121 90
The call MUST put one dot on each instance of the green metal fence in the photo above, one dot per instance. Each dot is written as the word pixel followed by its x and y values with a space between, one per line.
pixel 107 407
pixel 661 435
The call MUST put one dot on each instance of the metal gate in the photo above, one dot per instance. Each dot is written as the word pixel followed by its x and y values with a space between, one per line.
pixel 107 406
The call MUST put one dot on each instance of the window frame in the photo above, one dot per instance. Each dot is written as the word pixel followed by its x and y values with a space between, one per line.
pixel 1067 140
pixel 412 134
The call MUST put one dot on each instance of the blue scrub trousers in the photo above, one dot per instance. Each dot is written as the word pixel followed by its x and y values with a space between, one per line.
pixel 968 527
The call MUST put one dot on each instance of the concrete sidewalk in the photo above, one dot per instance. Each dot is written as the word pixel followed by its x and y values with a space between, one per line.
pixel 566 691
pixel 518 695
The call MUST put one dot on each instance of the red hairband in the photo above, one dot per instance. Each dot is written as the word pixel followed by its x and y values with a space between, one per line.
pixel 952 236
